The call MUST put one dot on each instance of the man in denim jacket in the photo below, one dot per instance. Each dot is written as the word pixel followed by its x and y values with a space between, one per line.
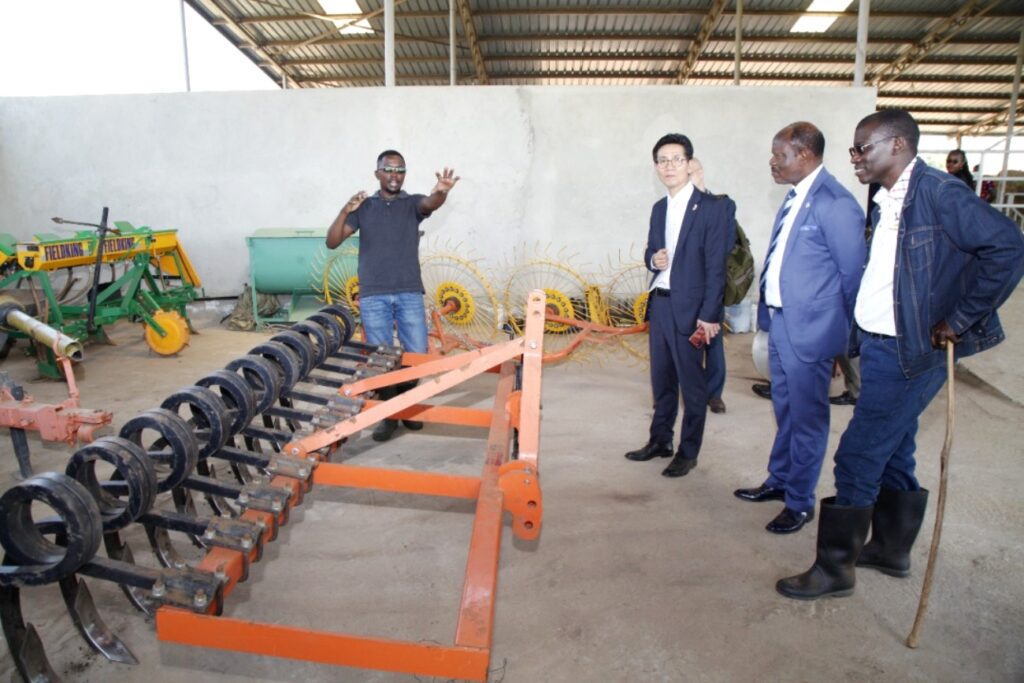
pixel 941 262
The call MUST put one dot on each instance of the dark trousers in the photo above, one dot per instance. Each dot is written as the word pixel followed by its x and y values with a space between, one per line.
pixel 877 448
pixel 676 367
pixel 714 366
pixel 800 401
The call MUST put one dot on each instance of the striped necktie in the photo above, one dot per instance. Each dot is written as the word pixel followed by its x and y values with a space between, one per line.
pixel 786 206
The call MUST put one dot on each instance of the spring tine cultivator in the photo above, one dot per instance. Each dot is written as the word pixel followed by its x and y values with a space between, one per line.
pixel 212 472
pixel 150 279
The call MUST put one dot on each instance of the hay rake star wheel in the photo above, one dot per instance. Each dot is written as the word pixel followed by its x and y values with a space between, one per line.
pixel 569 297
pixel 626 299
pixel 339 281
pixel 459 296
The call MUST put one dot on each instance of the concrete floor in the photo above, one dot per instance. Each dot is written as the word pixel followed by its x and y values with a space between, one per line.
pixel 635 577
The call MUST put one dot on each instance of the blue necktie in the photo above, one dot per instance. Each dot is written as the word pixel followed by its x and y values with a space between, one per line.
pixel 786 206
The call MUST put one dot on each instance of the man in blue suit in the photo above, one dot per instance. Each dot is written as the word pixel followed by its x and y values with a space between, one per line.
pixel 808 288
pixel 689 238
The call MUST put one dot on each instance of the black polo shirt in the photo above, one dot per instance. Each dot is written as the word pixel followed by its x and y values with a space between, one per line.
pixel 389 243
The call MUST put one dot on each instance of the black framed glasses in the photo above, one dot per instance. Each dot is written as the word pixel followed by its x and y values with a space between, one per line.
pixel 859 150
pixel 393 169
pixel 676 161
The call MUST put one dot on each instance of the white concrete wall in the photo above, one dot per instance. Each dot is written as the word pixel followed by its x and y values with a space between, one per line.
pixel 562 167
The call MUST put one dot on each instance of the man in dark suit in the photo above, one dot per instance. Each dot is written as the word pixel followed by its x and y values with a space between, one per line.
pixel 808 287
pixel 689 238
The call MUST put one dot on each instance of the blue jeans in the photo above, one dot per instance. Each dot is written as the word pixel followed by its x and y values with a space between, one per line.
pixel 382 312
pixel 877 448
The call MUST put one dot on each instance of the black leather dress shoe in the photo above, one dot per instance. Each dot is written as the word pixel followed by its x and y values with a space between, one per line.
pixel 843 399
pixel 679 467
pixel 414 425
pixel 717 405
pixel 650 451
pixel 760 494
pixel 763 390
pixel 789 521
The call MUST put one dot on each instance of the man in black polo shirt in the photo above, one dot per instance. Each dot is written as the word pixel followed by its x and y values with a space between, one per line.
pixel 390 287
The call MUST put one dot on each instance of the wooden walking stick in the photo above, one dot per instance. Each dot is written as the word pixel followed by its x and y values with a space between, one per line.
pixel 940 506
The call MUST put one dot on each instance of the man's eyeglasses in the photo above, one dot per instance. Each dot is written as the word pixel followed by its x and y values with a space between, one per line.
pixel 393 169
pixel 859 150
pixel 674 162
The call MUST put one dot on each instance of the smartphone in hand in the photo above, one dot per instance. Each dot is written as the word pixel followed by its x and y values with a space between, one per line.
pixel 698 339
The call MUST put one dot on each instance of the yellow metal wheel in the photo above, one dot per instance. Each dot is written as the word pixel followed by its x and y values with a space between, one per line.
pixel 336 278
pixel 627 306
pixel 458 302
pixel 176 334
pixel 559 304
pixel 457 287
pixel 568 296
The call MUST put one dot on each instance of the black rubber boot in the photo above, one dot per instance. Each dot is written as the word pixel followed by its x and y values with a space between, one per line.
pixel 841 534
pixel 894 526
pixel 414 425
pixel 385 429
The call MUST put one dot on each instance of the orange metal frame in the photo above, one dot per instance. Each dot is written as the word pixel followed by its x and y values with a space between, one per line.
pixel 64 421
pixel 589 331
pixel 504 485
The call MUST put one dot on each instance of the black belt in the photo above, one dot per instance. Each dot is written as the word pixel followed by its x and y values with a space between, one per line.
pixel 658 291
pixel 875 335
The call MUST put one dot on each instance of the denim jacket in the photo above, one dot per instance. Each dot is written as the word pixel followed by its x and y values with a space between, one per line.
pixel 958 260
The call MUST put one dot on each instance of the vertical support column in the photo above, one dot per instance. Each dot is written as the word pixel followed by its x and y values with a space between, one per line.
pixel 184 47
pixel 739 42
pixel 20 443
pixel 452 61
pixel 533 358
pixel 389 43
pixel 1011 119
pixel 862 42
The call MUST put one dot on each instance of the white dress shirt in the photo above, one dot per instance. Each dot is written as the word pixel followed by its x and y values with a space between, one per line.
pixel 874 310
pixel 772 290
pixel 674 214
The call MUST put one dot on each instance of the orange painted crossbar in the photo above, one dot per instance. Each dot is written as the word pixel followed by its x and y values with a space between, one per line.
pixel 449 415
pixel 396 481
pixel 424 365
pixel 467 365
pixel 237 635
pixel 504 485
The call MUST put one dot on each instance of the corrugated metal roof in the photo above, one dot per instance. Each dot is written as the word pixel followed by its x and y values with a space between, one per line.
pixel 957 83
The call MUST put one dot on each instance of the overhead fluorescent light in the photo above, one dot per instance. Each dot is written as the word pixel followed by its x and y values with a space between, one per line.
pixel 829 6
pixel 812 24
pixel 346 7
pixel 819 16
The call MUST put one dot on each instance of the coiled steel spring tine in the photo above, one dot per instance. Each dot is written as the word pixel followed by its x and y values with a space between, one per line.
pixel 317 336
pixel 262 376
pixel 23 640
pixel 176 451
pixel 284 359
pixel 208 417
pixel 301 346
pixel 344 317
pixel 82 608
pixel 32 560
